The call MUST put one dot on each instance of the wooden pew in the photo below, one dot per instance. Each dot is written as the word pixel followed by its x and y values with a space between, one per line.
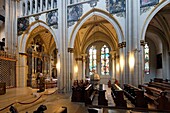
pixel 118 96
pixel 78 91
pixel 156 96
pixel 135 95
pixel 102 99
pixel 89 95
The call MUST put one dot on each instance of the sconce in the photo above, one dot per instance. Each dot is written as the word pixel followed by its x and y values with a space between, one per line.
pixel 131 61
pixel 58 66
pixel 122 62
pixel 76 69
pixel 117 67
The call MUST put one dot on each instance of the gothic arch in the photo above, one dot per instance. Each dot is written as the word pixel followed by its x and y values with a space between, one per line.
pixel 25 36
pixel 150 17
pixel 102 14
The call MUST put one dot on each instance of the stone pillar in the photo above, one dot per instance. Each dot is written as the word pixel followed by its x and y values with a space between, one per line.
pixel 121 64
pixel 79 64
pixel 36 6
pixel 31 12
pixel 113 63
pixel 141 62
pixel 70 69
pixel 135 39
pixel 46 4
pixel 22 71
pixel 41 6
pixel 84 66
pixel 52 5
pixel 63 43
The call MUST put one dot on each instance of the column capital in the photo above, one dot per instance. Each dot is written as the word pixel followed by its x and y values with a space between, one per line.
pixel 71 50
pixel 120 45
pixel 113 52
pixel 84 55
pixel 142 42
pixel 78 59
pixel 124 44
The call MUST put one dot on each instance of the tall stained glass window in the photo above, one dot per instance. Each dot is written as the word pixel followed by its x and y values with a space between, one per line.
pixel 105 60
pixel 92 60
pixel 146 50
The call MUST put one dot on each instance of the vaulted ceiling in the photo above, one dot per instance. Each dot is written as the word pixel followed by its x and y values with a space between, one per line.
pixel 159 27
pixel 46 37
pixel 95 29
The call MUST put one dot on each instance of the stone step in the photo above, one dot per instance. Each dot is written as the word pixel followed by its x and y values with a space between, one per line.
pixel 24 98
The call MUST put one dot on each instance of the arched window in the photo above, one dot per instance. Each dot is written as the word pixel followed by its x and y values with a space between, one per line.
pixel 146 53
pixel 92 60
pixel 23 9
pixel 104 60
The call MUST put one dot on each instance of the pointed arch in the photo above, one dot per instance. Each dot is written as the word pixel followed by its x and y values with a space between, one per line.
pixel 102 14
pixel 26 35
pixel 150 17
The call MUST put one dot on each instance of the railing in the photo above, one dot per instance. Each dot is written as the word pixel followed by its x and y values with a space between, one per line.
pixel 7 56
pixel 24 103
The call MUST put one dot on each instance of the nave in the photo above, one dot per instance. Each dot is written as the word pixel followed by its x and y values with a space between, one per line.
pixel 53 99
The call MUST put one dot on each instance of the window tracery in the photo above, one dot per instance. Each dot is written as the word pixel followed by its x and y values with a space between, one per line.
pixel 105 60
pixel 146 53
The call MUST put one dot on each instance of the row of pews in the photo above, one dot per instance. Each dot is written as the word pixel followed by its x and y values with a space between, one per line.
pixel 156 92
pixel 86 92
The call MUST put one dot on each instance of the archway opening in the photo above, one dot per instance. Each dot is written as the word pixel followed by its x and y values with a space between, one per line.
pixel 95 45
pixel 158 41
pixel 41 56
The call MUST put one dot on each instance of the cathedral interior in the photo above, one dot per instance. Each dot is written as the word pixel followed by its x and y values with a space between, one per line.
pixel 84 56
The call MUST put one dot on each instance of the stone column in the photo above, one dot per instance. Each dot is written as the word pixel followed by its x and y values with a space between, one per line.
pixel 113 63
pixel 31 7
pixel 46 2
pixel 52 5
pixel 135 39
pixel 22 71
pixel 141 62
pixel 70 68
pixel 121 63
pixel 36 6
pixel 79 64
pixel 41 6
pixel 84 66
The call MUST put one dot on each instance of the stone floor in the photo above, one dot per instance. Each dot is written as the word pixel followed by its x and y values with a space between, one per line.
pixel 53 101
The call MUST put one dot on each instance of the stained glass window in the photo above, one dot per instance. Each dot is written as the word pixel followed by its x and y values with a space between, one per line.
pixel 146 52
pixel 92 60
pixel 104 60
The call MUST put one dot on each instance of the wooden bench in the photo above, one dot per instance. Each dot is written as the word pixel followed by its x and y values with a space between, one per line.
pixel 163 86
pixel 135 95
pixel 102 98
pixel 89 95
pixel 118 96
pixel 156 96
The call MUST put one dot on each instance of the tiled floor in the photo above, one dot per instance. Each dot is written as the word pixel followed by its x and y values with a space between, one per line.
pixel 53 101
